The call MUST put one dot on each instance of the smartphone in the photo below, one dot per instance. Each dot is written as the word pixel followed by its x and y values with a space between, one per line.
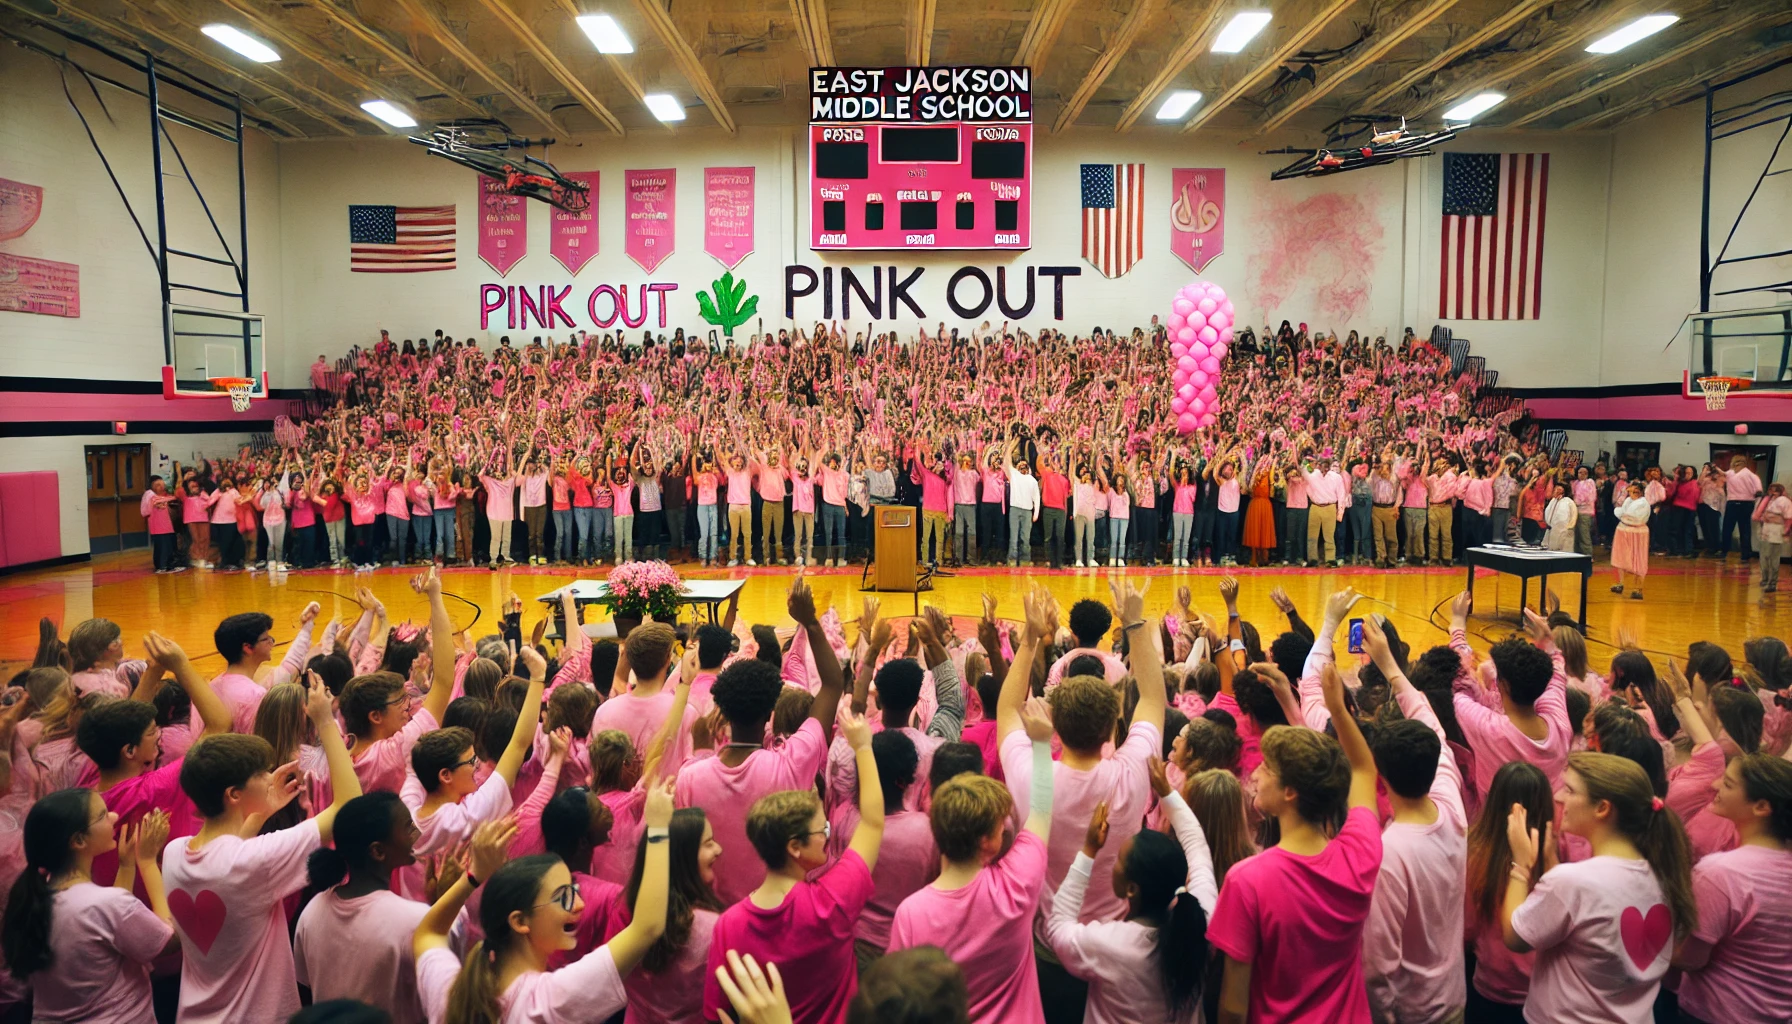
pixel 1356 636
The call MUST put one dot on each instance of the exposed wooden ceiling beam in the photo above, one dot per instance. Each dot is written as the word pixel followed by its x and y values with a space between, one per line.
pixel 1658 98
pixel 513 21
pixel 920 31
pixel 628 81
pixel 1537 55
pixel 1725 30
pixel 335 65
pixel 1379 46
pixel 1042 31
pixel 1105 64
pixel 439 31
pixel 1506 22
pixel 812 26
pixel 1200 32
pixel 686 59
pixel 349 22
pixel 1328 10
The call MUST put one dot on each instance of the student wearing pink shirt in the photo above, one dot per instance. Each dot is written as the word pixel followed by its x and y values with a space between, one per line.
pixel 1741 488
pixel 377 713
pixel 789 918
pixel 96 660
pixel 154 507
pixel 366 499
pixel 535 508
pixel 1736 961
pixel 740 511
pixel 1442 489
pixel 246 642
pixel 1774 513
pixel 396 515
pixel 500 507
pixel 908 858
pixel 963 479
pixel 622 496
pixel 1290 920
pixel 195 513
pixel 229 539
pixel 769 477
pixel 928 469
pixel 834 484
pixel 642 712
pixel 1501 976
pixel 227 892
pixel 991 505
pixel 802 509
pixel 1603 928
pixel 1526 717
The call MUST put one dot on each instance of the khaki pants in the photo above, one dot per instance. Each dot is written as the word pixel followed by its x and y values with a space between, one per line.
pixel 1322 523
pixel 804 544
pixel 1415 533
pixel 934 524
pixel 1387 536
pixel 740 531
pixel 771 517
pixel 1437 535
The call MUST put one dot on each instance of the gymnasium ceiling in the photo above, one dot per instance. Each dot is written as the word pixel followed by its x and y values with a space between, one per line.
pixel 1098 63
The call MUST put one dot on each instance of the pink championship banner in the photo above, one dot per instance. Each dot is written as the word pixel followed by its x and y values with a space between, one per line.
pixel 572 237
pixel 39 286
pixel 19 206
pixel 1197 215
pixel 649 210
pixel 728 213
pixel 503 226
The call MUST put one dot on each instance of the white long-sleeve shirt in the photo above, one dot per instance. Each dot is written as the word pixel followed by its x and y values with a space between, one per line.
pixel 1634 512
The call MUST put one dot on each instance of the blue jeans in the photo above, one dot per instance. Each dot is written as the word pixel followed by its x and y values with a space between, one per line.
pixel 706 532
pixel 1181 525
pixel 1020 535
pixel 606 527
pixel 1117 537
pixel 563 539
pixel 420 534
pixel 585 519
pixel 396 531
pixel 1362 538
pixel 444 528
pixel 833 526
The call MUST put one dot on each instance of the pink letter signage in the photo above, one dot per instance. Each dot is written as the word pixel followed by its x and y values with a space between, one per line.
pixel 728 213
pixel 649 209
pixel 1197 214
pixel 573 237
pixel 503 226
pixel 39 286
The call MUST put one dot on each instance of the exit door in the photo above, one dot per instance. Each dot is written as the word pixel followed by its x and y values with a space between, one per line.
pixel 117 476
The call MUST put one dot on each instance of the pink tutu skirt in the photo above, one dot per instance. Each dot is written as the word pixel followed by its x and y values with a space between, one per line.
pixel 1630 549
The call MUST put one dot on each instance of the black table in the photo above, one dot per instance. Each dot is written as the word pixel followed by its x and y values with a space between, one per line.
pixel 1526 563
pixel 706 594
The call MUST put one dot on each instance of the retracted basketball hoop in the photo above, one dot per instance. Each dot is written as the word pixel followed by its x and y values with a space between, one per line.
pixel 240 389
pixel 1717 389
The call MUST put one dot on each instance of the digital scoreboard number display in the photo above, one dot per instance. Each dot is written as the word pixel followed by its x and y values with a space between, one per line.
pixel 920 158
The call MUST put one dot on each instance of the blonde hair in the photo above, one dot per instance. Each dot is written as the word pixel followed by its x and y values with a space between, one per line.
pixel 965 811
pixel 1574 651
pixel 1217 798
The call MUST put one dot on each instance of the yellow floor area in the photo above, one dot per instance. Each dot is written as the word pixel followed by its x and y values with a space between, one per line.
pixel 1685 601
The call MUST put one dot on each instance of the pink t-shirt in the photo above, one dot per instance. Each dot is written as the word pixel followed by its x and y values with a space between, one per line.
pixel 986 928
pixel 1745 915
pixel 1298 921
pixel 802 493
pixel 102 941
pixel 228 901
pixel 740 487
pixel 906 862
pixel 1228 498
pixel 1182 499
pixel 498 498
pixel 586 991
pixel 726 794
pixel 155 509
pixel 615 860
pixel 995 485
pixel 811 931
pixel 641 718
pixel 384 764
pixel 1741 484
pixel 1603 935
pixel 448 826
pixel 674 995
pixel 1495 740
pixel 134 797
pixel 243 696
pixel 1113 669
pixel 770 480
pixel 360 948
pixel 833 486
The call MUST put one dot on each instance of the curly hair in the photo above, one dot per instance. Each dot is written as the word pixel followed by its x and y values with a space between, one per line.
pixel 1313 765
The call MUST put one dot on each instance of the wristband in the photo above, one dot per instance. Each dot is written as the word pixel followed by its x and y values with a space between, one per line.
pixel 658 835
pixel 1129 627
pixel 1039 793
pixel 1236 645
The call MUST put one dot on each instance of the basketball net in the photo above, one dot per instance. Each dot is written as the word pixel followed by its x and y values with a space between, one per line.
pixel 240 389
pixel 1716 389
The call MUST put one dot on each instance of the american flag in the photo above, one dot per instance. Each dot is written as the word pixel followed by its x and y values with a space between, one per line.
pixel 400 239
pixel 1492 253
pixel 1113 216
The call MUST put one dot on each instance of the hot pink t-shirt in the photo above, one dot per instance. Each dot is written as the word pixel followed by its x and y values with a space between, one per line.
pixel 1298 921
pixel 802 493
pixel 986 927
pixel 726 794
pixel 1745 916
pixel 811 931
pixel 134 797
pixel 360 948
pixel 586 991
pixel 641 718
pixel 228 901
pixel 1603 935
pixel 102 941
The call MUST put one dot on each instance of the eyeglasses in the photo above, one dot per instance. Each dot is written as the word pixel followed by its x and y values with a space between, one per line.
pixel 566 898
pixel 826 832
pixel 468 762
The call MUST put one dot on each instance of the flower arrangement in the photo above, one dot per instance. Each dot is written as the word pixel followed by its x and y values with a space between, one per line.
pixel 639 589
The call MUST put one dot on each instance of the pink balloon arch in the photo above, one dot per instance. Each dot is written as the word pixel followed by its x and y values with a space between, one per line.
pixel 1200 336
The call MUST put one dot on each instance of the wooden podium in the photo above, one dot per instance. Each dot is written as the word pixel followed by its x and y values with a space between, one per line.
pixel 893 548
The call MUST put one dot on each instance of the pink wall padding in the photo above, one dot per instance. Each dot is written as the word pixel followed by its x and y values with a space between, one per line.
pixel 30 518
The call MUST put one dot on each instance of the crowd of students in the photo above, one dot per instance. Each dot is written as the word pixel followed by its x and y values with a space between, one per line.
pixel 1140 811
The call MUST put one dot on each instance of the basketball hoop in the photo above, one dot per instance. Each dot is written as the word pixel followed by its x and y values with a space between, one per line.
pixel 239 388
pixel 1717 389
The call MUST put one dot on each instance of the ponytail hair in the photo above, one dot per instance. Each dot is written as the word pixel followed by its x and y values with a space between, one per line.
pixel 50 826
pixel 362 821
pixel 1156 864
pixel 1653 826
pixel 512 889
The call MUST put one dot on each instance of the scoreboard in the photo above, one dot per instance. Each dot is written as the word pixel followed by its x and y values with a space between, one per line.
pixel 920 158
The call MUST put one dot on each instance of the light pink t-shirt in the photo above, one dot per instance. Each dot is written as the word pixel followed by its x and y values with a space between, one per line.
pixel 1745 917
pixel 985 928
pixel 499 493
pixel 726 794
pixel 641 718
pixel 228 901
pixel 907 861
pixel 586 991
pixel 740 487
pixel 833 485
pixel 1741 484
pixel 1495 740
pixel 102 941
pixel 1112 667
pixel 1298 921
pixel 387 760
pixel 449 825
pixel 1603 936
pixel 360 948
pixel 243 696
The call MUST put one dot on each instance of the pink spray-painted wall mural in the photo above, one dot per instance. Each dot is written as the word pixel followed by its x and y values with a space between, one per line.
pixel 1328 245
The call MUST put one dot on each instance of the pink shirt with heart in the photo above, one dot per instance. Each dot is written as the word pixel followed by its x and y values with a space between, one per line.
pixel 1603 934
pixel 227 899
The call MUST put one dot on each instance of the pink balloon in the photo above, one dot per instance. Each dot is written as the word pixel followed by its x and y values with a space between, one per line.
pixel 1188 422
pixel 1182 307
pixel 1188 364
pixel 1178 375
pixel 1187 392
pixel 1210 364
pixel 1187 335
pixel 1200 378
pixel 1227 306
pixel 1218 293
pixel 1206 305
pixel 1178 349
pixel 1226 335
pixel 1219 321
pixel 1207 335
pixel 1196 406
pixel 1192 292
pixel 1177 321
pixel 1199 350
pixel 1219 349
pixel 1206 420
pixel 1197 320
pixel 1178 404
pixel 1207 394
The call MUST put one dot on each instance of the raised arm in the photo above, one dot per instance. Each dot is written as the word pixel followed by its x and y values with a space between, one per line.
pixel 344 784
pixel 1042 622
pixel 948 689
pixel 490 850
pixel 210 708
pixel 801 605
pixel 1363 775
pixel 869 836
pixel 648 922
pixel 522 737
pixel 441 645
pixel 1146 660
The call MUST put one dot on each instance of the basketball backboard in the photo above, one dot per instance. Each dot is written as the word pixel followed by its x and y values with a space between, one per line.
pixel 211 343
pixel 1753 345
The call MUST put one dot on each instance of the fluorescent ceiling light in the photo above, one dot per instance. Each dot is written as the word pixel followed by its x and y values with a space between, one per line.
pixel 243 43
pixel 1243 28
pixel 389 114
pixel 605 34
pixel 1641 28
pixel 664 106
pixel 1176 106
pixel 1474 106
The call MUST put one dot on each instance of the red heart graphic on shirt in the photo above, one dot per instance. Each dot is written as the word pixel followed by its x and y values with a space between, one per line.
pixel 1645 936
pixel 202 917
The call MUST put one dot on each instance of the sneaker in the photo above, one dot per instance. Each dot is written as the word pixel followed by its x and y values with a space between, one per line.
pixel 799 562
pixel 783 561
pixel 1636 595
pixel 1078 564
pixel 1012 564
pixel 1618 589
pixel 1120 563
pixel 749 562
pixel 732 562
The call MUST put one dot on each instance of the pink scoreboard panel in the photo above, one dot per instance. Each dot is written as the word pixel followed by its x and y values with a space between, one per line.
pixel 920 158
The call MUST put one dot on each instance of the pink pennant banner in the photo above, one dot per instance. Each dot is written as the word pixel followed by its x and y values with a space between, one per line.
pixel 573 236
pixel 728 213
pixel 503 226
pixel 649 209
pixel 1197 214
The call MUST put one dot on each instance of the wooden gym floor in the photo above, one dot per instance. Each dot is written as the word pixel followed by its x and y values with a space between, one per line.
pixel 1686 601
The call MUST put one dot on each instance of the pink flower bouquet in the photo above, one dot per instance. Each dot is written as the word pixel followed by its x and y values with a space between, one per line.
pixel 639 589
